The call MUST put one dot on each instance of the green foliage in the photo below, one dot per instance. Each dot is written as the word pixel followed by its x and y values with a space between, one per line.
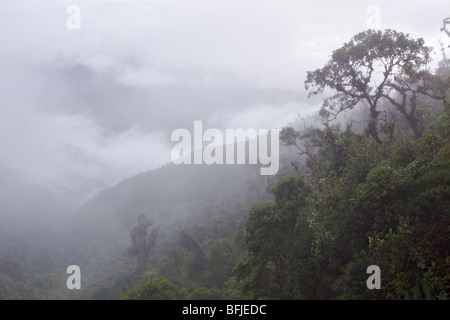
pixel 354 201
pixel 118 283
pixel 359 203
pixel 363 203
pixel 8 288
pixel 271 235
pixel 156 289
pixel 374 67
pixel 142 242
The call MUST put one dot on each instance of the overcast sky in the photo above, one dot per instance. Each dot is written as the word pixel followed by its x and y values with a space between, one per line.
pixel 87 108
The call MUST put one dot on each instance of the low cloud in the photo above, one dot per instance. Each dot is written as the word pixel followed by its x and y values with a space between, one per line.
pixel 264 116
pixel 87 108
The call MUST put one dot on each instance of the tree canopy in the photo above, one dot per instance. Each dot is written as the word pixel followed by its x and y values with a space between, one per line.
pixel 375 66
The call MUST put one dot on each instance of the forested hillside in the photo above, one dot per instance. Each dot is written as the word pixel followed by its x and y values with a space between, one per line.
pixel 357 203
pixel 210 201
pixel 378 196
pixel 366 184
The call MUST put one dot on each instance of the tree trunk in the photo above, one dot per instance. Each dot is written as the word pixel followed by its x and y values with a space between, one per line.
pixel 414 124
pixel 372 124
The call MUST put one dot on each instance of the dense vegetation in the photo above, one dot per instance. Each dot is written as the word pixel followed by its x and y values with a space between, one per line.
pixel 379 197
pixel 362 203
pixel 354 194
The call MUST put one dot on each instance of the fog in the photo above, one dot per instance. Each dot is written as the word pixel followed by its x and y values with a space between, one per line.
pixel 84 109
pixel 86 117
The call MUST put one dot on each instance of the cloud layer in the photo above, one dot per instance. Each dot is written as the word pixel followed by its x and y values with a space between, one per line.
pixel 87 108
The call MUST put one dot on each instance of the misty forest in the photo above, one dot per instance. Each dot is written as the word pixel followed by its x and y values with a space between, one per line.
pixel 363 181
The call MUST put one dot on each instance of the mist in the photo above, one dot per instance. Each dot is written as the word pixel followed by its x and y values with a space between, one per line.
pixel 86 114
pixel 85 109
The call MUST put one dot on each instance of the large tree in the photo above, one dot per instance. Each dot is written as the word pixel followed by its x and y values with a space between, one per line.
pixel 375 66
pixel 142 241
pixel 272 237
